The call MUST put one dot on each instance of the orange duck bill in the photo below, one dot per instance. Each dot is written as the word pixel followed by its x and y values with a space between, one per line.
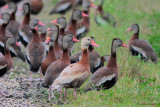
pixel 49 29
pixel 5 7
pixel 129 29
pixel 18 44
pixel 54 21
pixel 76 40
pixel 0 16
pixel 40 23
pixel 47 40
pixel 84 14
pixel 94 44
pixel 94 6
pixel 124 45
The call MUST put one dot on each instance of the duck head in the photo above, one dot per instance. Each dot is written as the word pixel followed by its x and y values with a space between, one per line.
pixel 11 6
pixel 134 28
pixel 41 28
pixel 5 17
pixel 86 41
pixel 62 21
pixel 77 14
pixel 35 22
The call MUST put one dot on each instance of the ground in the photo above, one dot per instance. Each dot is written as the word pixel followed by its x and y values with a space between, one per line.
pixel 139 81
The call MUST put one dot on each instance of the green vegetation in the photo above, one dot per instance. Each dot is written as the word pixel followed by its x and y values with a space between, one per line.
pixel 139 81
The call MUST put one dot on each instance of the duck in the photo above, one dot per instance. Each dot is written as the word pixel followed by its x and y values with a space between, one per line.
pixel 139 46
pixel 51 55
pixel 74 75
pixel 56 67
pixel 6 62
pixel 63 6
pixel 57 49
pixel 73 24
pixel 25 36
pixel 15 48
pixel 35 50
pixel 63 23
pixel 36 6
pixel 84 25
pixel 13 22
pixel 107 76
pixel 43 30
pixel 96 61
pixel 104 17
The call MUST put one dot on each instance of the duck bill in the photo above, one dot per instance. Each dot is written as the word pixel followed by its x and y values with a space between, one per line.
pixel 5 7
pixel 124 45
pixel 40 23
pixel 94 44
pixel 49 29
pixel 36 28
pixel 20 9
pixel 0 16
pixel 94 6
pixel 84 14
pixel 47 40
pixel 129 29
pixel 76 40
pixel 54 21
pixel 18 44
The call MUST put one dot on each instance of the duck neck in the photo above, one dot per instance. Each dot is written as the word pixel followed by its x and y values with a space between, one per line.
pixel 113 59
pixel 26 19
pixel 2 29
pixel 43 37
pixel 7 51
pixel 85 57
pixel 13 16
pixel 62 31
pixel 135 36
pixel 65 56
pixel 51 53
pixel 35 37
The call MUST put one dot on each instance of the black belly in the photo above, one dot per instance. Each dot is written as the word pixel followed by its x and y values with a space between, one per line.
pixel 23 41
pixel 3 71
pixel 136 53
pixel 2 51
pixel 109 84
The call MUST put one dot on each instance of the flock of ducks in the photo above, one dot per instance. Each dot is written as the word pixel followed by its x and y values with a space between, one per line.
pixel 52 53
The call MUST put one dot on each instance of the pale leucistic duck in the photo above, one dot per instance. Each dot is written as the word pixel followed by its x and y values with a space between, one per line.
pixel 63 23
pixel 73 24
pixel 15 48
pixel 25 35
pixel 56 68
pixel 84 25
pixel 139 46
pixel 35 51
pixel 6 62
pixel 13 25
pixel 96 61
pixel 105 16
pixel 58 51
pixel 36 6
pixel 51 55
pixel 74 75
pixel 63 6
pixel 106 77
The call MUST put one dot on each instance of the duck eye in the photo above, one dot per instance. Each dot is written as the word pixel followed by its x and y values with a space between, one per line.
pixel 88 39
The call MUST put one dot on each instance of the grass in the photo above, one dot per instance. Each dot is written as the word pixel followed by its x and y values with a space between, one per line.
pixel 139 82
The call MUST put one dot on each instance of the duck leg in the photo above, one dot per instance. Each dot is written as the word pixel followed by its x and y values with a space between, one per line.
pixel 65 94
pixel 2 93
pixel 31 78
pixel 52 93
pixel 75 94
pixel 61 94
pixel 49 94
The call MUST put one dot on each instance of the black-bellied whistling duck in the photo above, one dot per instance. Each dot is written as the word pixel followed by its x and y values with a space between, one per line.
pixel 140 46
pixel 63 23
pixel 36 6
pixel 15 48
pixel 13 25
pixel 84 25
pixel 107 76
pixel 73 25
pixel 25 35
pixel 63 6
pixel 74 75
pixel 6 62
pixel 105 16
pixel 96 61
pixel 58 51
pixel 35 51
pixel 56 68
pixel 51 55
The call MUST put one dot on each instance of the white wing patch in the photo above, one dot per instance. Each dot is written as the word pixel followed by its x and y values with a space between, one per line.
pixel 105 78
pixel 81 30
pixel 24 36
pixel 1 43
pixel 63 7
pixel 97 63
pixel 139 50
pixel 13 50
pixel 3 66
